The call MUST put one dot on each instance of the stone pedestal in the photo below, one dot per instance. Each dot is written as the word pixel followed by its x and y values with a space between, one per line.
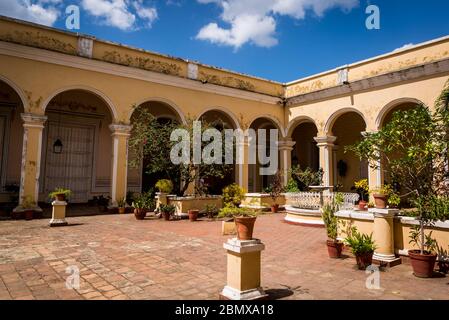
pixel 383 236
pixel 58 214
pixel 243 270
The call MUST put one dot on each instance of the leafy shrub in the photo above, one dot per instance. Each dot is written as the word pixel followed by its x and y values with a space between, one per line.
pixel 306 178
pixel 233 195
pixel 167 209
pixel 292 186
pixel 360 243
pixel 210 210
pixel 65 192
pixel 233 212
pixel 164 186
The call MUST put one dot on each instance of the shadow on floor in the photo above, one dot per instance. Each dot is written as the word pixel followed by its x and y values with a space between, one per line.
pixel 275 294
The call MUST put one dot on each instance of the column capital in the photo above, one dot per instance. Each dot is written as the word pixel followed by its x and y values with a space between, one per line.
pixel 121 129
pixel 325 141
pixel 31 120
pixel 286 144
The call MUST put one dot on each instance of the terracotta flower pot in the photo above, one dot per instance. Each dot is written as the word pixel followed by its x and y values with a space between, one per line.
pixel 274 208
pixel 245 227
pixel 193 215
pixel 334 248
pixel 60 197
pixel 166 216
pixel 422 264
pixel 362 205
pixel 140 214
pixel 121 210
pixel 380 200
pixel 29 215
pixel 364 260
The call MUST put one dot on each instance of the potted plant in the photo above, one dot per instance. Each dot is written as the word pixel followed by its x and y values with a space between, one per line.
pixel 60 194
pixel 139 204
pixel 429 210
pixel 385 196
pixel 164 186
pixel 28 206
pixel 275 189
pixel 334 246
pixel 244 220
pixel 193 215
pixel 121 206
pixel 210 211
pixel 233 195
pixel 362 188
pixel 167 211
pixel 362 246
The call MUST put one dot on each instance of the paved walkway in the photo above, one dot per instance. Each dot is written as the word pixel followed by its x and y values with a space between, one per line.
pixel 121 258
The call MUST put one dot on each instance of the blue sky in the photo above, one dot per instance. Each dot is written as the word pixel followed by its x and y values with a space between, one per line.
pixel 281 40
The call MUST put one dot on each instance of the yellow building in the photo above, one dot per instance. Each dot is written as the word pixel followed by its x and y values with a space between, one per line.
pixel 82 91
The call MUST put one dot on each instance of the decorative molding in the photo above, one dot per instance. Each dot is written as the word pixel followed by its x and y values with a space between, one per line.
pixel 192 71
pixel 37 40
pixel 414 73
pixel 85 47
pixel 120 129
pixel 33 120
pixel 142 63
pixel 326 141
pixel 227 81
pixel 20 51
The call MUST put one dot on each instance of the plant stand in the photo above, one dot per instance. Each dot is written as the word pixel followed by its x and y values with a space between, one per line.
pixel 58 214
pixel 383 235
pixel 243 270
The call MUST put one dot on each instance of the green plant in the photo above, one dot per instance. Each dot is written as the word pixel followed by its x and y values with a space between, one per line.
pixel 167 209
pixel 292 186
pixel 139 202
pixel 329 218
pixel 233 212
pixel 210 210
pixel 233 195
pixel 362 188
pixel 276 188
pixel 360 243
pixel 306 178
pixel 121 203
pixel 164 186
pixel 394 200
pixel 58 191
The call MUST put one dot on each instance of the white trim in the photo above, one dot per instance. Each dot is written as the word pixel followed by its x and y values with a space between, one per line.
pixel 304 221
pixel 337 114
pixel 166 101
pixel 224 110
pixel 269 117
pixel 88 89
pixel 114 168
pixel 349 214
pixel 17 90
pixel 414 222
pixel 20 51
pixel 296 122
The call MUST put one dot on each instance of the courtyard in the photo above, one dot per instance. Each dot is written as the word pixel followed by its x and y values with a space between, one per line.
pixel 121 258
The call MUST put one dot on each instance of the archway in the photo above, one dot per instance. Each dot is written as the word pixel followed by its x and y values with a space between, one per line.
pixel 305 152
pixel 257 182
pixel 11 141
pixel 77 146
pixel 348 128
pixel 139 180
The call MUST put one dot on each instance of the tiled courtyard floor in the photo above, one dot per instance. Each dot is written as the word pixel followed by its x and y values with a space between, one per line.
pixel 121 258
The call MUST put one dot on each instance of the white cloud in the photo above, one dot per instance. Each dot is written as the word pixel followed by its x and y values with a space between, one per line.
pixel 404 47
pixel 123 14
pixel 44 12
pixel 254 21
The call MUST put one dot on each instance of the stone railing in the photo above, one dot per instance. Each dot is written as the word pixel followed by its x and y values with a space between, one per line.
pixel 316 200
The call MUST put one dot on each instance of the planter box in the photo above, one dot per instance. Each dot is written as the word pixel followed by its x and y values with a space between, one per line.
pixel 184 204
pixel 261 201
pixel 228 228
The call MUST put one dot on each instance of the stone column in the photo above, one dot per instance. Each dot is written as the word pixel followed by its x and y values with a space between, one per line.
pixel 285 149
pixel 375 178
pixel 31 159
pixel 119 175
pixel 242 160
pixel 243 270
pixel 326 145
pixel 383 235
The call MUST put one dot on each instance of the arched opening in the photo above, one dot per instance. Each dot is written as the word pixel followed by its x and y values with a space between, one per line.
pixel 305 152
pixel 388 115
pixel 77 146
pixel 11 141
pixel 256 181
pixel 348 168
pixel 220 121
pixel 139 179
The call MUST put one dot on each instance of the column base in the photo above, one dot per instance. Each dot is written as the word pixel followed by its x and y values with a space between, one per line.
pixel 386 260
pixel 58 223
pixel 229 293
pixel 19 208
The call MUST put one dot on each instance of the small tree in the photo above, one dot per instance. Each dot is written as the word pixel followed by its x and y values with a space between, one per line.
pixel 276 188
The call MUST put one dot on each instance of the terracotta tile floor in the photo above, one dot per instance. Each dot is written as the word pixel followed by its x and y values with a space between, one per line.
pixel 121 258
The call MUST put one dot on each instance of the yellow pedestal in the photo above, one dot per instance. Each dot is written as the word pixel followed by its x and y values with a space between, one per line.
pixel 58 214
pixel 243 270
pixel 383 235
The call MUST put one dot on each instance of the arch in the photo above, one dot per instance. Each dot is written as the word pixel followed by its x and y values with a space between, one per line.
pixel 168 102
pixel 18 90
pixel 293 124
pixel 275 121
pixel 89 89
pixel 334 117
pixel 390 106
pixel 225 111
